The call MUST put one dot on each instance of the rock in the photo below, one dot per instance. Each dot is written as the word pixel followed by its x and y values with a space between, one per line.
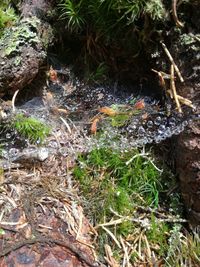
pixel 188 162
pixel 23 47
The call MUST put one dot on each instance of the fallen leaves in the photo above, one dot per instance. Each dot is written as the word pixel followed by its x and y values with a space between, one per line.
pixel 52 74
pixel 139 105
pixel 108 111
pixel 119 113
pixel 93 128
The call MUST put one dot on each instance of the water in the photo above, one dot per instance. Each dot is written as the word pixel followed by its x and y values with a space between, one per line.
pixel 71 131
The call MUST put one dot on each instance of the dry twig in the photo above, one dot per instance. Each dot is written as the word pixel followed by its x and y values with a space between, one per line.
pixel 109 256
pixel 112 236
pixel 174 14
pixel 13 100
pixel 172 61
pixel 126 256
pixel 173 89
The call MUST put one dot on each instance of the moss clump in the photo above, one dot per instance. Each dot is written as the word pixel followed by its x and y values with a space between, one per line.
pixel 117 184
pixel 128 191
pixel 30 128
pixel 7 15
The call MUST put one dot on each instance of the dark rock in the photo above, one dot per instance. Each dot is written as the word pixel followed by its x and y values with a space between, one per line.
pixel 23 47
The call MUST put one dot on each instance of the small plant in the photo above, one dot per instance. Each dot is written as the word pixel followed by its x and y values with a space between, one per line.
pixel 115 188
pixel 111 31
pixel 158 235
pixel 183 250
pixel 98 75
pixel 7 15
pixel 30 128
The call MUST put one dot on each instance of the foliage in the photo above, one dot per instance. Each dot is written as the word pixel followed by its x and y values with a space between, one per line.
pixel 183 250
pixel 112 31
pixel 105 16
pixel 30 128
pixel 115 186
pixel 120 184
pixel 98 74
pixel 7 15
pixel 157 235
pixel 155 9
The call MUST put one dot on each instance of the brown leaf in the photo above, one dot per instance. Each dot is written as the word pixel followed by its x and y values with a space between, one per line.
pixel 108 111
pixel 93 128
pixel 140 104
pixel 53 75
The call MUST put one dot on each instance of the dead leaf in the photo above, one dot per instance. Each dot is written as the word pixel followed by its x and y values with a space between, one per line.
pixel 140 104
pixel 108 111
pixel 93 128
pixel 53 75
pixel 145 116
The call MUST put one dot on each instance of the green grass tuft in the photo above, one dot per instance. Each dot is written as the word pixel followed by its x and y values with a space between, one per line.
pixel 30 128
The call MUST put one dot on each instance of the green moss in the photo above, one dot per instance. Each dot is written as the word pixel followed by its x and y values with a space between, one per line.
pixel 158 235
pixel 123 186
pixel 7 16
pixel 30 128
pixel 108 182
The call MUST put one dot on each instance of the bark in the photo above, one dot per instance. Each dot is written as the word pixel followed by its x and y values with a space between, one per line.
pixel 23 46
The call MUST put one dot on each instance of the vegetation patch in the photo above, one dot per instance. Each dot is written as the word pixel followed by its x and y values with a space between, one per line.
pixel 30 128
pixel 124 197
pixel 7 16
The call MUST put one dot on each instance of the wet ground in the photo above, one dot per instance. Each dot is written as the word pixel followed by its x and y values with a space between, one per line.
pixel 83 117
pixel 41 221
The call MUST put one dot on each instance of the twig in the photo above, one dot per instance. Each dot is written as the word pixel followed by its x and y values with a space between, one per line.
pixel 126 257
pixel 173 89
pixel 185 101
pixel 67 244
pixel 109 256
pixel 113 222
pixel 148 247
pixel 66 124
pixel 13 100
pixel 136 156
pixel 174 14
pixel 172 61
pixel 162 76
pixel 112 236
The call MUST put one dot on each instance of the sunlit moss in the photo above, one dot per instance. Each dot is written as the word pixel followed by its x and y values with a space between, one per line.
pixel 129 188
pixel 30 128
